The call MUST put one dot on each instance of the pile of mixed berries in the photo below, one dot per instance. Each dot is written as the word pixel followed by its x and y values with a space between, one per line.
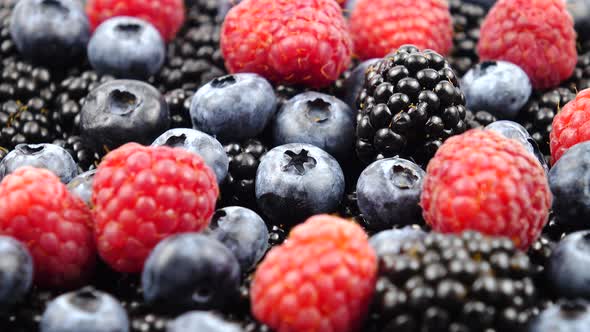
pixel 294 166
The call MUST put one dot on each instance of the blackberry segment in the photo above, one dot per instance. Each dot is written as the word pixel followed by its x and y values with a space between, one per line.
pixel 7 46
pixel 537 115
pixel 84 157
pixel 193 58
pixel 478 119
pixel 238 186
pixel 410 104
pixel 580 79
pixel 467 19
pixel 466 282
pixel 179 103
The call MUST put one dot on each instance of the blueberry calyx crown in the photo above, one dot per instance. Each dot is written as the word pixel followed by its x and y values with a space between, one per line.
pixel 573 309
pixel 219 214
pixel 85 299
pixel 223 81
pixel 122 102
pixel 175 140
pixel 55 5
pixel 30 148
pixel 299 162
pixel 486 64
pixel 403 177
pixel 318 110
pixel 129 28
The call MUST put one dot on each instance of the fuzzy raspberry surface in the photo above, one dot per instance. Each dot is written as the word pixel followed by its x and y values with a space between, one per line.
pixel 320 280
pixel 485 182
pixel 302 42
pixel 537 35
pixel 571 125
pixel 56 226
pixel 143 194
pixel 380 26
pixel 166 15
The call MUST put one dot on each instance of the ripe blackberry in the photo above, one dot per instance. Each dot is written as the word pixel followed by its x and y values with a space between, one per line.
pixel 537 115
pixel 84 157
pixel 478 119
pixel 26 123
pixel 238 186
pixel 466 282
pixel 467 19
pixel 7 46
pixel 179 103
pixel 194 57
pixel 410 104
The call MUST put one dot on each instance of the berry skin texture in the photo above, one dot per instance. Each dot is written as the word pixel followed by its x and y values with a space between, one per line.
pixel 536 35
pixel 144 194
pixel 377 30
pixel 166 15
pixel 321 279
pixel 485 182
pixel 571 125
pixel 296 42
pixel 57 231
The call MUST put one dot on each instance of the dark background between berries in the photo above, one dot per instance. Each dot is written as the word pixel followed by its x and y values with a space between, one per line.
pixel 38 105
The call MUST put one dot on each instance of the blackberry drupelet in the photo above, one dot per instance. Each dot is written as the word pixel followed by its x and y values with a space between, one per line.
pixel 244 158
pixel 454 283
pixel 467 19
pixel 179 103
pixel 537 115
pixel 478 119
pixel 194 57
pixel 410 104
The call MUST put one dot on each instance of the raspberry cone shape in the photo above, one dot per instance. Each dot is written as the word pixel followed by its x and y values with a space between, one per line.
pixel 571 125
pixel 483 181
pixel 295 42
pixel 381 26
pixel 166 15
pixel 321 279
pixel 537 35
pixel 38 210
pixel 144 194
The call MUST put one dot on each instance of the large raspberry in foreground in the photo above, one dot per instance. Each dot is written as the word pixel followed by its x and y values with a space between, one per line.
pixel 144 194
pixel 321 279
pixel 287 41
pixel 483 181
pixel 571 125
pixel 38 210
pixel 537 35
pixel 380 26
pixel 166 15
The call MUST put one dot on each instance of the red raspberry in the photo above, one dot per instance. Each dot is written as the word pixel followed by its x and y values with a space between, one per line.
pixel 321 279
pixel 537 35
pixel 380 26
pixel 287 41
pixel 144 194
pixel 166 15
pixel 38 210
pixel 571 125
pixel 485 182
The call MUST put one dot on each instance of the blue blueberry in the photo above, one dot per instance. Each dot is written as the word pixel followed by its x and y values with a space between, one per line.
pixel 243 232
pixel 569 180
pixel 121 111
pixel 200 143
pixel 501 88
pixel 87 310
pixel 16 272
pixel 126 47
pixel 81 185
pixel 565 316
pixel 48 156
pixel 317 119
pixel 388 193
pixel 191 271
pixel 296 181
pixel 390 242
pixel 50 32
pixel 517 132
pixel 567 269
pixel 234 107
pixel 353 85
pixel 201 321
